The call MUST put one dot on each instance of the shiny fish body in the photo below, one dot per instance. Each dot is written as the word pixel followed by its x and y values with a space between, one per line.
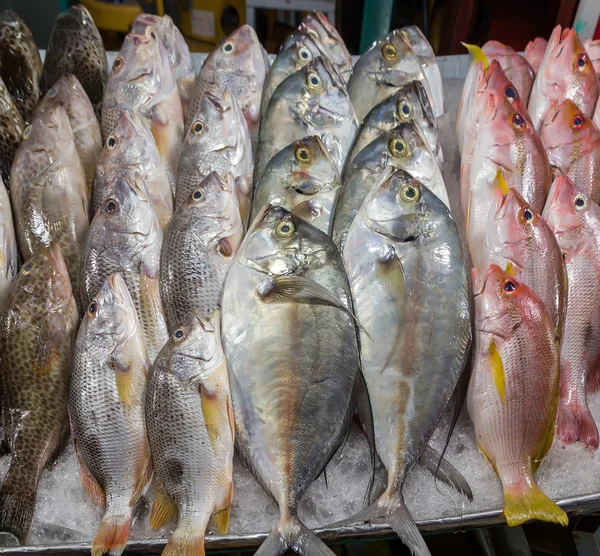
pixel 409 284
pixel 75 48
pixel 410 103
pixel 131 149
pixel 517 69
pixel 198 249
pixel 291 397
pixel 402 147
pixel 20 63
pixel 11 132
pixel 37 323
pixel 191 431
pixel 534 52
pixel 303 179
pixel 312 101
pixel 592 47
pixel 69 93
pixel 48 190
pixel 575 220
pixel 106 410
pixel 125 237
pixel 9 254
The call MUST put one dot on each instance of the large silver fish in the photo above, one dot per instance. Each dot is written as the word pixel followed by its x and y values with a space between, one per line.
pixel 409 284
pixel 106 411
pixel 191 431
pixel 198 249
pixel 292 352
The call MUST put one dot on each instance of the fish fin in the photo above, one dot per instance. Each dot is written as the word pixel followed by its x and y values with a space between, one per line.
pixel 524 505
pixel 222 521
pixel 47 351
pixel 501 182
pixel 163 509
pixel 231 417
pixel 191 543
pixel 445 471
pixel 577 423
pixel 509 269
pixel 90 483
pixel 152 307
pixel 125 383
pixel 212 408
pixel 112 535
pixel 400 520
pixel 291 533
pixel 17 505
pixel 144 477
pixel 477 54
pixel 497 368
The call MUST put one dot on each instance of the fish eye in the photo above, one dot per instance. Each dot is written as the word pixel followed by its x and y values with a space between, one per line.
pixel 509 286
pixel 314 81
pixel 117 63
pixel 178 334
pixel 304 53
pixel 198 195
pixel 152 34
pixel 582 60
pixel 510 93
pixel 577 121
pixel 285 229
pixel 527 214
pixel 410 193
pixel 197 127
pixel 227 47
pixel 111 206
pixel 26 132
pixel 52 92
pixel 389 51
pixel 303 155
pixel 518 120
pixel 405 110
pixel 581 202
pixel 92 309
pixel 398 147
pixel 111 142
pixel 27 268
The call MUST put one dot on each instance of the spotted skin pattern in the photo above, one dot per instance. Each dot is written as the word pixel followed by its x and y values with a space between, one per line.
pixel 11 132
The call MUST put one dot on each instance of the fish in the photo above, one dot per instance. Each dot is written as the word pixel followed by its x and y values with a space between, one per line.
pixel 69 93
pixel 12 127
pixel 217 140
pixel 312 101
pixel 303 179
pixel 189 415
pixel 510 150
pixel 106 411
pixel 9 253
pixel 592 47
pixel 534 52
pixel 402 147
pixel 38 323
pixel 572 143
pixel 130 148
pixel 426 56
pixel 48 190
pixel 141 80
pixel 409 103
pixel 520 241
pixel 290 342
pixel 125 237
pixel 596 116
pixel 387 66
pixel 513 391
pixel 317 26
pixel 415 336
pixel 198 249
pixel 240 64
pixel 176 50
pixel 575 220
pixel 75 48
pixel 566 71
pixel 516 67
pixel 20 63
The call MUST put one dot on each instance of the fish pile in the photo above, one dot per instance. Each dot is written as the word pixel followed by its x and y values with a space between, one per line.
pixel 530 145
pixel 252 257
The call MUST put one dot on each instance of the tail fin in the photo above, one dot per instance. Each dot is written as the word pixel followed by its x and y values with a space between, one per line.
pixel 577 424
pixel 293 534
pixel 443 470
pixel 188 544
pixel 112 535
pixel 16 510
pixel 521 506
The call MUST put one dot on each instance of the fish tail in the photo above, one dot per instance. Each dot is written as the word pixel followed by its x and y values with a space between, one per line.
pixel 291 533
pixel 17 504
pixel 112 535
pixel 190 543
pixel 523 504
pixel 577 423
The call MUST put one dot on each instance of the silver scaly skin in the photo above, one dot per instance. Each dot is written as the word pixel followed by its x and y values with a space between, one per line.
pixel 9 253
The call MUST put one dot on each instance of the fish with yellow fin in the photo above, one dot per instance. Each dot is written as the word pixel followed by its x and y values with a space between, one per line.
pixel 513 391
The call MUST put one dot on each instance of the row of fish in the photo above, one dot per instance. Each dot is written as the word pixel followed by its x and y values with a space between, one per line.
pixel 529 191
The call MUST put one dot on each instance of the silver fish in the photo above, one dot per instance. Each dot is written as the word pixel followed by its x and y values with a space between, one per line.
pixel 9 254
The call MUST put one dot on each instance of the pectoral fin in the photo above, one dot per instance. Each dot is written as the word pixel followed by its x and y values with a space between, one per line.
pixel 497 370
pixel 152 314
pixel 477 54
pixel 212 411
pixel 163 509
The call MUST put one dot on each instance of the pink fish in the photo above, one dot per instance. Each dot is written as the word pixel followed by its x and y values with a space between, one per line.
pixel 593 50
pixel 534 52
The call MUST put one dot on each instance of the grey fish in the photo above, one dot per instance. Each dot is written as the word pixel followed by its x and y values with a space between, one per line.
pixel 9 254
pixel 409 284
pixel 37 326
pixel 402 147
pixel 69 93
pixel 130 148
pixel 303 179
pixel 11 132
pixel 217 140
pixel 199 245
pixel 125 237
pixel 312 101
pixel 106 410
pixel 75 48
pixel 410 103
pixel 20 63
pixel 190 426
pixel 291 346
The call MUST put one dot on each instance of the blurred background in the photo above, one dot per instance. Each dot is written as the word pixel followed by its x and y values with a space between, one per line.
pixel 446 23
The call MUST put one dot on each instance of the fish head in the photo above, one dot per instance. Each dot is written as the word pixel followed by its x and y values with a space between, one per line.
pixel 412 102
pixel 534 52
pixel 494 81
pixel 402 147
pixel 240 52
pixel 76 18
pixel 417 41
pixel 318 26
pixel 311 167
pixel 298 54
pixel 69 92
pixel 127 144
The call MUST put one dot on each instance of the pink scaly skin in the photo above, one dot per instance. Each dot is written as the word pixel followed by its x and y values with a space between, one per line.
pixel 534 52
pixel 565 72
pixel 572 143
pixel 593 50
pixel 575 220
pixel 517 69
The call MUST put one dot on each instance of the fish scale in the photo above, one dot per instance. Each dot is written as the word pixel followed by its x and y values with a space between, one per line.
pixel 11 132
